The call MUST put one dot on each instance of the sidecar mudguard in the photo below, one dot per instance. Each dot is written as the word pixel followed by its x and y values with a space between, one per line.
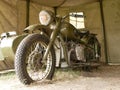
pixel 8 46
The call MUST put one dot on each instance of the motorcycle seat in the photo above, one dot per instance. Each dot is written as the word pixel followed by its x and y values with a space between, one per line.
pixel 83 31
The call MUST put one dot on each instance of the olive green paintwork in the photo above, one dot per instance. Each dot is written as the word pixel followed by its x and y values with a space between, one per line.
pixel 1 55
pixel 8 47
pixel 32 28
pixel 63 29
pixel 47 31
pixel 37 28
pixel 53 37
pixel 68 31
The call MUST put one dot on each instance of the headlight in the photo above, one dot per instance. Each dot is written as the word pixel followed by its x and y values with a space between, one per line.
pixel 45 17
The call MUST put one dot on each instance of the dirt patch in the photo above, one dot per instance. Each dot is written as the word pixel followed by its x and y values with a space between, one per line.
pixel 103 78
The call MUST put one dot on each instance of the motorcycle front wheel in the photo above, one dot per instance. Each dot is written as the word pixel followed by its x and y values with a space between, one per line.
pixel 29 65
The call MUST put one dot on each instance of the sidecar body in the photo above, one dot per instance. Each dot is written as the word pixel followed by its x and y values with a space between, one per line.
pixel 8 45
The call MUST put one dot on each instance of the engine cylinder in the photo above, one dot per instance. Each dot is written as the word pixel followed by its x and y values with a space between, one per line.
pixel 80 52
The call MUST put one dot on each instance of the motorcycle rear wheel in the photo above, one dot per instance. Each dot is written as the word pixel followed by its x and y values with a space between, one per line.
pixel 29 65
pixel 94 53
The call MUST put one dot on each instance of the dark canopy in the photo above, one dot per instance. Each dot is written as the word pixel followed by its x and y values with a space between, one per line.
pixel 62 3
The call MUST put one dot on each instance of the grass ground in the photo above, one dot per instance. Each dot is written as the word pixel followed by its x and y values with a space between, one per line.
pixel 104 78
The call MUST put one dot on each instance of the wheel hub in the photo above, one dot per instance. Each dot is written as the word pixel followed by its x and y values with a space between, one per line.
pixel 35 60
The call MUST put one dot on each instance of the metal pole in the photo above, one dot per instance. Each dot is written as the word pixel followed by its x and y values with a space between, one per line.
pixel 27 12
pixel 104 30
pixel 55 10
pixel 18 17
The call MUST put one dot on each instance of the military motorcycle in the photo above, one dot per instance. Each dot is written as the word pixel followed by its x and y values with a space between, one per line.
pixel 54 43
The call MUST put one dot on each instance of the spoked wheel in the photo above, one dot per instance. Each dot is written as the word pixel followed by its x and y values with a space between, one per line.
pixel 29 64
pixel 94 52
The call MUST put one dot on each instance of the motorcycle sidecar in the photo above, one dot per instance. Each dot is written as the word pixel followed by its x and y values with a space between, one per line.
pixel 8 45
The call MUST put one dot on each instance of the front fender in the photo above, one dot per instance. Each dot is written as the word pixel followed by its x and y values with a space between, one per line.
pixel 38 28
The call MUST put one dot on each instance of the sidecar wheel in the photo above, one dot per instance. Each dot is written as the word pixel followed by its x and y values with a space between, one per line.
pixel 29 65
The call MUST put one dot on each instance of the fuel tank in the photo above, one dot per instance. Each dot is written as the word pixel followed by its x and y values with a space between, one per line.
pixel 68 31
